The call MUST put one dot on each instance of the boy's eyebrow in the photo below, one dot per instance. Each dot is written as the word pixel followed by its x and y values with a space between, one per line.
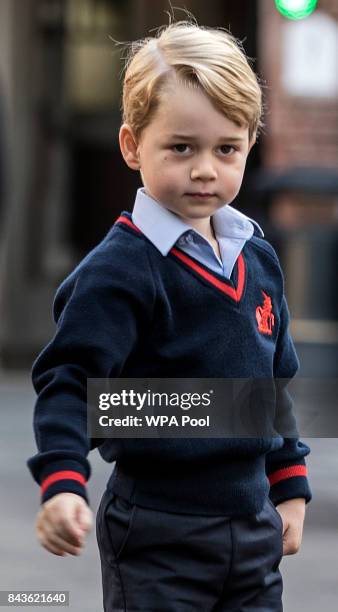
pixel 221 139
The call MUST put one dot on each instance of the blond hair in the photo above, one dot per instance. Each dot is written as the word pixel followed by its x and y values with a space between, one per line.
pixel 211 59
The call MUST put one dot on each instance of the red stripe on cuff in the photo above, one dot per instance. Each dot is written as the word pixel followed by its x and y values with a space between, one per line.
pixel 63 475
pixel 289 472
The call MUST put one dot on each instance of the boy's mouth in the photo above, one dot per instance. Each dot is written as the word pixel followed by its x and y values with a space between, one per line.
pixel 201 195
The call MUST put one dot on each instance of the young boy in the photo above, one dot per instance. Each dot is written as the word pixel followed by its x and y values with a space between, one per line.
pixel 185 285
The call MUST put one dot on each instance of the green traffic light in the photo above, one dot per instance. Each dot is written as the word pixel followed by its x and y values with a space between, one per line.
pixel 296 9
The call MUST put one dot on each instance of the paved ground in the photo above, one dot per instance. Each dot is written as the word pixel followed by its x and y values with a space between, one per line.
pixel 310 577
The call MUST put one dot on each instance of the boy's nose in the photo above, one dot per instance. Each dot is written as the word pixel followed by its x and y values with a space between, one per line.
pixel 203 170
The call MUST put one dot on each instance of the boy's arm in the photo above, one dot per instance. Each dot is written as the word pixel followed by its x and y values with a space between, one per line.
pixel 99 310
pixel 285 467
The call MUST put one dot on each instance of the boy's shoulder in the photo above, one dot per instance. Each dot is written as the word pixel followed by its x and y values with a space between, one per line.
pixel 122 241
pixel 264 249
pixel 120 259
pixel 263 245
pixel 118 251
pixel 268 263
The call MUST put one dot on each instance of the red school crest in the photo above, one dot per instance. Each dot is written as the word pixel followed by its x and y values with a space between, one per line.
pixel 265 317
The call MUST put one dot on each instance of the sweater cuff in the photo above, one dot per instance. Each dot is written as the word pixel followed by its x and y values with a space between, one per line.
pixel 289 482
pixel 63 477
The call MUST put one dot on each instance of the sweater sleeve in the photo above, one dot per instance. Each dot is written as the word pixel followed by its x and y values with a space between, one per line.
pixel 285 467
pixel 99 311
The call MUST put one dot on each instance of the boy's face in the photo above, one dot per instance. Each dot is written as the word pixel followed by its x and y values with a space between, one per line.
pixel 191 157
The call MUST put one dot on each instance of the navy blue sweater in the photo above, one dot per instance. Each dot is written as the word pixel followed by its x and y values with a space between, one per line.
pixel 128 311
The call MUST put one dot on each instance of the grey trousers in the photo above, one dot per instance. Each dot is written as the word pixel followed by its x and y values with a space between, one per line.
pixel 165 562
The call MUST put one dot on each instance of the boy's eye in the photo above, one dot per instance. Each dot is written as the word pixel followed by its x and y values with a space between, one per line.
pixel 226 149
pixel 180 148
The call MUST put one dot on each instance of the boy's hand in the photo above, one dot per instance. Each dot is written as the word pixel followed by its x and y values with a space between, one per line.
pixel 292 512
pixel 63 522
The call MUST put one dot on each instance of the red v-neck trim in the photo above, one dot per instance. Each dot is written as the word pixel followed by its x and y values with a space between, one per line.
pixel 234 292
pixel 127 221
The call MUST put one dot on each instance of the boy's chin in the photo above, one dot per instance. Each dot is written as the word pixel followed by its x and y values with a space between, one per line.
pixel 203 209
pixel 194 210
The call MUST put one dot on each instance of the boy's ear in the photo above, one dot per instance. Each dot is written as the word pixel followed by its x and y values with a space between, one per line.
pixel 128 146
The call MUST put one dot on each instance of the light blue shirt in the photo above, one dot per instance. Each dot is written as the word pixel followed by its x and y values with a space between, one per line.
pixel 165 230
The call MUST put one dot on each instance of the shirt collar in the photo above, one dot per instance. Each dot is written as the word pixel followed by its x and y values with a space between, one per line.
pixel 163 228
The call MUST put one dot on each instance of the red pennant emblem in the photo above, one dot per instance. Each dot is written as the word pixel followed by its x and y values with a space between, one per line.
pixel 264 316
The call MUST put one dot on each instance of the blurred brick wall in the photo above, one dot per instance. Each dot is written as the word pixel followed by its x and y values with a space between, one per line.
pixel 299 131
